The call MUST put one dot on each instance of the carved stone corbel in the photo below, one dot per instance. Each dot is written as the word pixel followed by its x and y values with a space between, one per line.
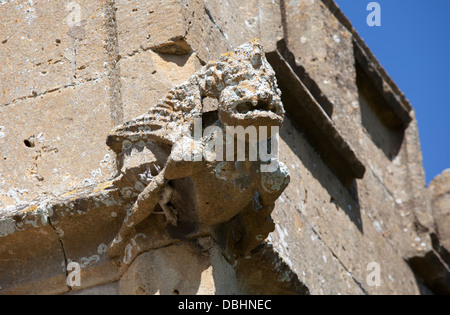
pixel 177 159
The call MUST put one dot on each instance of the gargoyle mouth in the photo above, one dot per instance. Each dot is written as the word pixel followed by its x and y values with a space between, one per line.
pixel 245 107
pixel 262 108
pixel 246 113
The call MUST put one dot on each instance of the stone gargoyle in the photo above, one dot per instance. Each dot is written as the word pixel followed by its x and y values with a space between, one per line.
pixel 157 155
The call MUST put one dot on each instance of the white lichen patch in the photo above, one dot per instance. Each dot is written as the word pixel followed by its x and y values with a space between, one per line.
pixel 7 226
pixel 22 216
pixel 28 10
pixel 278 239
pixel 102 249
pixel 16 193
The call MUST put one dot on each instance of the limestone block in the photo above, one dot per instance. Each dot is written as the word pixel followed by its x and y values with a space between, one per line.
pixel 264 272
pixel 155 44
pixel 202 33
pixel 184 269
pixel 324 47
pixel 240 21
pixel 32 259
pixel 147 77
pixel 397 226
pixel 42 51
pixel 144 25
pixel 55 143
pixel 308 255
pixel 41 238
pixel 99 211
pixel 168 27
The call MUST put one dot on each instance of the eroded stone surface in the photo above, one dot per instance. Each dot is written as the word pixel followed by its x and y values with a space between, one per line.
pixel 48 146
pixel 439 191
pixel 325 48
pixel 49 234
pixel 40 57
pixel 162 272
pixel 63 88
pixel 316 214
pixel 245 87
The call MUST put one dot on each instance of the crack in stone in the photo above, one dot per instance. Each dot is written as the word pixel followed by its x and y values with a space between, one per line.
pixel 213 21
pixel 211 18
pixel 53 90
pixel 62 248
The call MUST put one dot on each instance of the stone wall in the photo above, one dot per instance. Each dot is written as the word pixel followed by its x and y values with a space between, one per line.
pixel 357 194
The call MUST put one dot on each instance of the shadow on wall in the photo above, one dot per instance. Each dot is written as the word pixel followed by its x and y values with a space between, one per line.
pixel 198 268
pixel 340 196
pixel 432 270
pixel 385 130
pixel 265 273
pixel 321 148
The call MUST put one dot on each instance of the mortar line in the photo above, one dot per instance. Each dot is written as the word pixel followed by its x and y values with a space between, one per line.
pixel 114 75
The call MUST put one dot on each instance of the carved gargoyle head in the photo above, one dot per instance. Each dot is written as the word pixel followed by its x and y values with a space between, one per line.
pixel 250 95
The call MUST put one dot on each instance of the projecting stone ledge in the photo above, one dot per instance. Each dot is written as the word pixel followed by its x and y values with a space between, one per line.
pixel 41 238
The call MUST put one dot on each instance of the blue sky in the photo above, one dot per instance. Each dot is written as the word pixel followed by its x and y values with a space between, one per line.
pixel 413 45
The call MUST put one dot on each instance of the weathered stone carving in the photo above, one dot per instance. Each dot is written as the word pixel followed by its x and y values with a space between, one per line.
pixel 160 173
pixel 166 158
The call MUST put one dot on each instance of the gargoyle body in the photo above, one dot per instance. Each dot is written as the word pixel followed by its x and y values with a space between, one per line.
pixel 158 155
